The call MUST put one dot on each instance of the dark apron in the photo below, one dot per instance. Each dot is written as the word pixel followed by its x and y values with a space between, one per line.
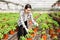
pixel 21 30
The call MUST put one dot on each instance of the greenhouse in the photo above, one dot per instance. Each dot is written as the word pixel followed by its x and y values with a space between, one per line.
pixel 29 19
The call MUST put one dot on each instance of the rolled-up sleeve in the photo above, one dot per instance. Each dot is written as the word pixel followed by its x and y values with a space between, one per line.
pixel 21 18
pixel 34 22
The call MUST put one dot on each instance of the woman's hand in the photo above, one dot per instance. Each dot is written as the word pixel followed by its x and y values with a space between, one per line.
pixel 37 25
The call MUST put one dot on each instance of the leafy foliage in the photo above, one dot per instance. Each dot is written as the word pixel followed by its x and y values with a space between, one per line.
pixel 31 31
pixel 1 35
pixel 28 35
pixel 22 38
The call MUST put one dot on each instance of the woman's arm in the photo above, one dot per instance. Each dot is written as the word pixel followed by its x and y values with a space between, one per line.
pixel 21 18
pixel 34 22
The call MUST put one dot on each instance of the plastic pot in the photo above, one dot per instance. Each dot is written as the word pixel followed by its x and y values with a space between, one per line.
pixel 44 37
pixel 5 36
pixel 35 29
pixel 51 31
pixel 29 38
pixel 58 30
pixel 11 32
pixel 53 35
pixel 16 29
pixel 32 34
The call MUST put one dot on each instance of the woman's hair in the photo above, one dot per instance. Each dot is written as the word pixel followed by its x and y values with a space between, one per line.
pixel 27 6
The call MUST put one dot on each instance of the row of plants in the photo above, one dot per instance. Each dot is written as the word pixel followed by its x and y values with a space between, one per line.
pixel 56 16
pixel 8 23
pixel 47 26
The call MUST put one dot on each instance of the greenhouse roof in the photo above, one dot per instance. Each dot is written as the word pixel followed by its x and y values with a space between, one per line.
pixel 17 4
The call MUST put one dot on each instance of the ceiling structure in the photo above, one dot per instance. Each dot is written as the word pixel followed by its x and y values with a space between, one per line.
pixel 18 4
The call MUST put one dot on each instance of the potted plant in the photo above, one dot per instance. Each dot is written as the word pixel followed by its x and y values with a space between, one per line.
pixel 11 22
pixel 35 29
pixel 5 32
pixel 43 26
pixel 50 28
pixel 44 36
pixel 1 36
pixel 28 36
pixel 53 35
pixel 55 24
pixel 50 20
pixel 55 38
pixel 58 30
pixel 12 31
pixel 39 33
pixel 38 20
pixel 51 31
pixel 31 32
pixel 22 38
pixel 16 28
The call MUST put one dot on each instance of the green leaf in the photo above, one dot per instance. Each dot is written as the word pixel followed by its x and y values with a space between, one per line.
pixel 43 32
pixel 39 32
pixel 56 23
pixel 50 25
pixel 1 35
pixel 28 35
pixel 1 30
pixel 31 31
pixel 12 27
pixel 5 31
pixel 22 38
pixel 44 26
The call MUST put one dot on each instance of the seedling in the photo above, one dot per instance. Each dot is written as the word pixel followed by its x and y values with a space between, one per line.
pixel 28 36
pixel 31 31
pixel 1 36
pixel 22 38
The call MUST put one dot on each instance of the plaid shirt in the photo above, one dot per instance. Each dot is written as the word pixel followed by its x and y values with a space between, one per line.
pixel 24 17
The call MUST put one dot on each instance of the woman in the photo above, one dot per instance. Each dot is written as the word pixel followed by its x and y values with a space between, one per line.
pixel 22 23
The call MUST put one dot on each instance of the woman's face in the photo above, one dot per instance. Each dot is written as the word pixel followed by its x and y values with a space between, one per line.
pixel 28 10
